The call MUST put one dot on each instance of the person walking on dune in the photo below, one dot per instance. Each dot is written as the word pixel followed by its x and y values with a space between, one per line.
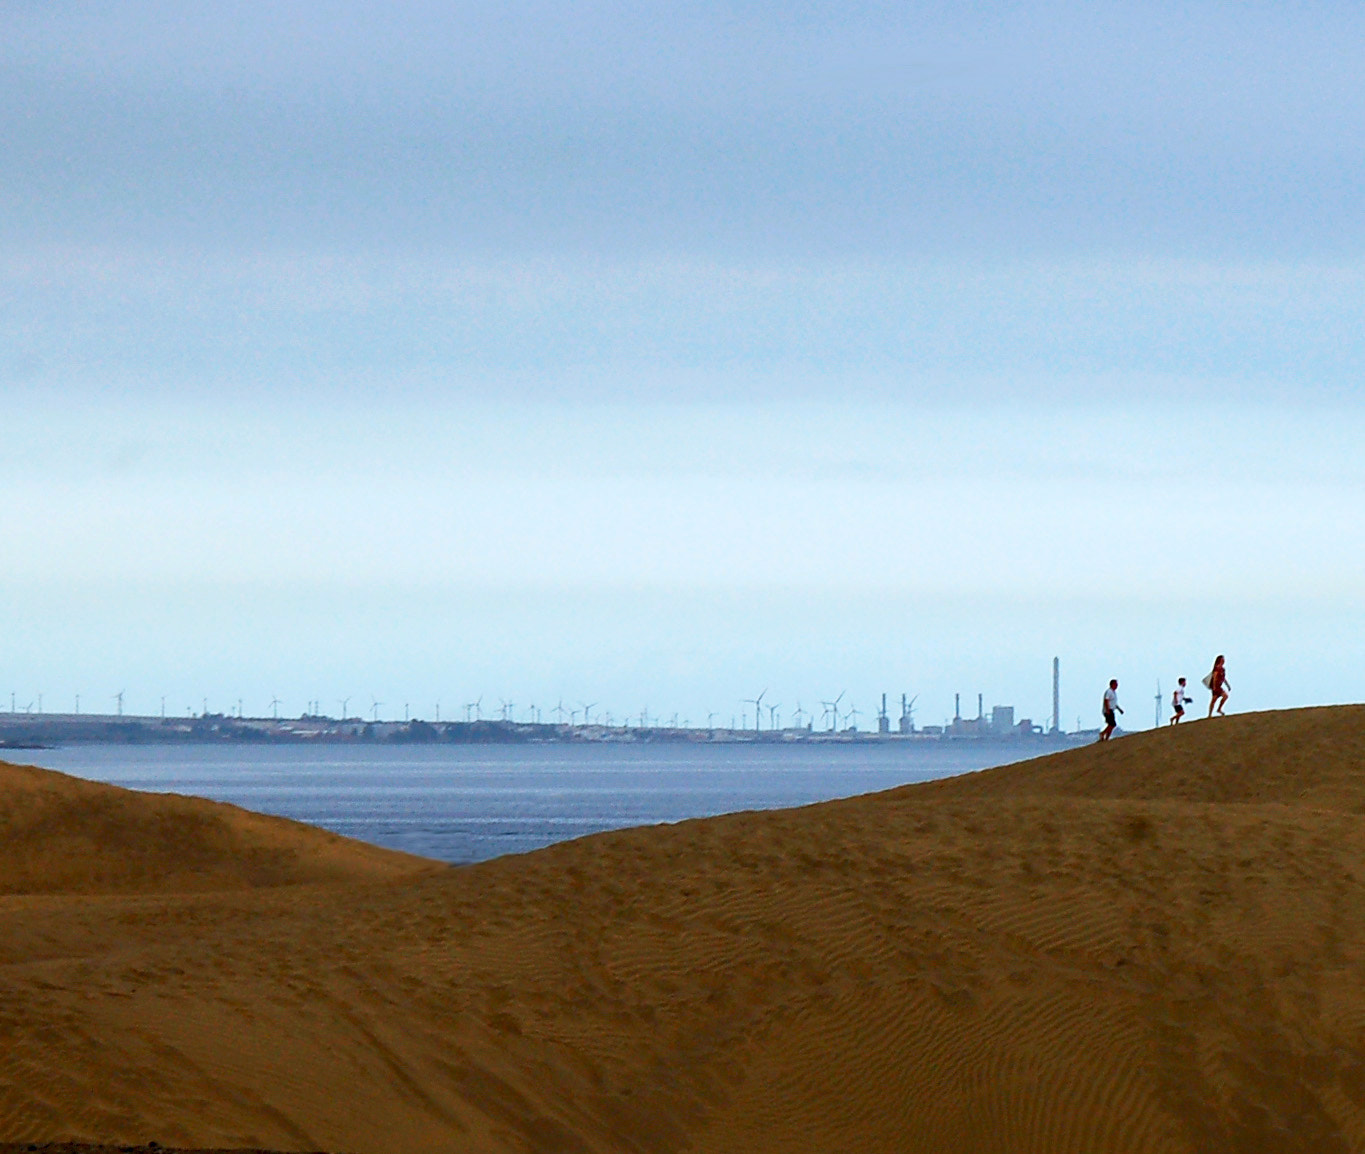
pixel 1111 707
pixel 1219 688
pixel 1179 699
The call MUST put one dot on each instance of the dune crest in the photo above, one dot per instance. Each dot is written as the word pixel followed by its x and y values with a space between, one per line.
pixel 1310 757
pixel 1153 946
pixel 62 834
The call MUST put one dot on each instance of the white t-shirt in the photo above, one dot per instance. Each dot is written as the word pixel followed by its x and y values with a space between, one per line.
pixel 1111 699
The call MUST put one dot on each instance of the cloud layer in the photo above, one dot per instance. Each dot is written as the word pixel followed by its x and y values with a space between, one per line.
pixel 833 130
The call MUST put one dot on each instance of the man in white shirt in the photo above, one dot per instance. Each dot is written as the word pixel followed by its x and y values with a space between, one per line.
pixel 1111 707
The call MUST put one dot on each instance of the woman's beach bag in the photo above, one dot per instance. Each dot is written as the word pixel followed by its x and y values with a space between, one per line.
pixel 1208 680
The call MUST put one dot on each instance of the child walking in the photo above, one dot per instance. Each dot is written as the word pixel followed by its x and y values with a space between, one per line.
pixel 1179 699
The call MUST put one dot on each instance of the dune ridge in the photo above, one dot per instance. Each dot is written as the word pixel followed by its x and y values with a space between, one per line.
pixel 87 1148
pixel 1152 945
pixel 62 834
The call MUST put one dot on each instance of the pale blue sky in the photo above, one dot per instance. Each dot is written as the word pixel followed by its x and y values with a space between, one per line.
pixel 655 354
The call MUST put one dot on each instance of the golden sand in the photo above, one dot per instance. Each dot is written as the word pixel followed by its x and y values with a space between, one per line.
pixel 1153 945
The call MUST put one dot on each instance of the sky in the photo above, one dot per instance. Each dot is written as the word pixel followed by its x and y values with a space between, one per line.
pixel 653 355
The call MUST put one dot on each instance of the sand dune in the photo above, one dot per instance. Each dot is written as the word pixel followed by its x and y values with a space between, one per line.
pixel 1154 945
pixel 64 835
pixel 89 1148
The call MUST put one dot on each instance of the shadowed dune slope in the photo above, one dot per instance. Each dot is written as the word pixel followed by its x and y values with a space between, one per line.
pixel 1155 946
pixel 61 834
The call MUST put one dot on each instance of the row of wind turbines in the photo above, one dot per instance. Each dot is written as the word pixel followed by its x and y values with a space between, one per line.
pixel 583 714
pixel 833 714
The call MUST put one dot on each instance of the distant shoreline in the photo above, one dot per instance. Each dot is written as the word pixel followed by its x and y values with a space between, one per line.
pixel 39 731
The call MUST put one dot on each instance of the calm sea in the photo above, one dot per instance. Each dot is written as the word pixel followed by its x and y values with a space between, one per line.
pixel 463 803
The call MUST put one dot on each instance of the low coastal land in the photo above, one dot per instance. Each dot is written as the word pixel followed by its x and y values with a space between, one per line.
pixel 1152 945
pixel 27 730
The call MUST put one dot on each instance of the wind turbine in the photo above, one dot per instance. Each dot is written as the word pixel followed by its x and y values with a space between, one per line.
pixel 908 713
pixel 374 709
pixel 474 706
pixel 757 703
pixel 832 708
pixel 772 716
pixel 587 712
pixel 345 703
pixel 852 716
pixel 1156 717
pixel 118 697
pixel 559 710
pixel 274 706
pixel 798 715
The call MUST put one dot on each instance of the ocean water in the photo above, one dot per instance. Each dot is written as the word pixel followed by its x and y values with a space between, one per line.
pixel 463 803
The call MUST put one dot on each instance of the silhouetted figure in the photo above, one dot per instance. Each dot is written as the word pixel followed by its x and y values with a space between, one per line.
pixel 1111 707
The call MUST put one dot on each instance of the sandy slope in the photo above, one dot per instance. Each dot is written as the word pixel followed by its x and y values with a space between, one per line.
pixel 1158 945
pixel 64 835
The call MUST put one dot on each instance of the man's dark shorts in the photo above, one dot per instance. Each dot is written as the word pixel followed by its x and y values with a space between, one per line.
pixel 1109 717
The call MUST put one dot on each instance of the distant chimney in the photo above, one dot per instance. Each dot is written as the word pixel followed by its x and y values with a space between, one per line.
pixel 1056 695
pixel 957 707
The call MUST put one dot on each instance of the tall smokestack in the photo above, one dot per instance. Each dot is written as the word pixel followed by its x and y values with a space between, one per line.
pixel 957 706
pixel 1056 695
